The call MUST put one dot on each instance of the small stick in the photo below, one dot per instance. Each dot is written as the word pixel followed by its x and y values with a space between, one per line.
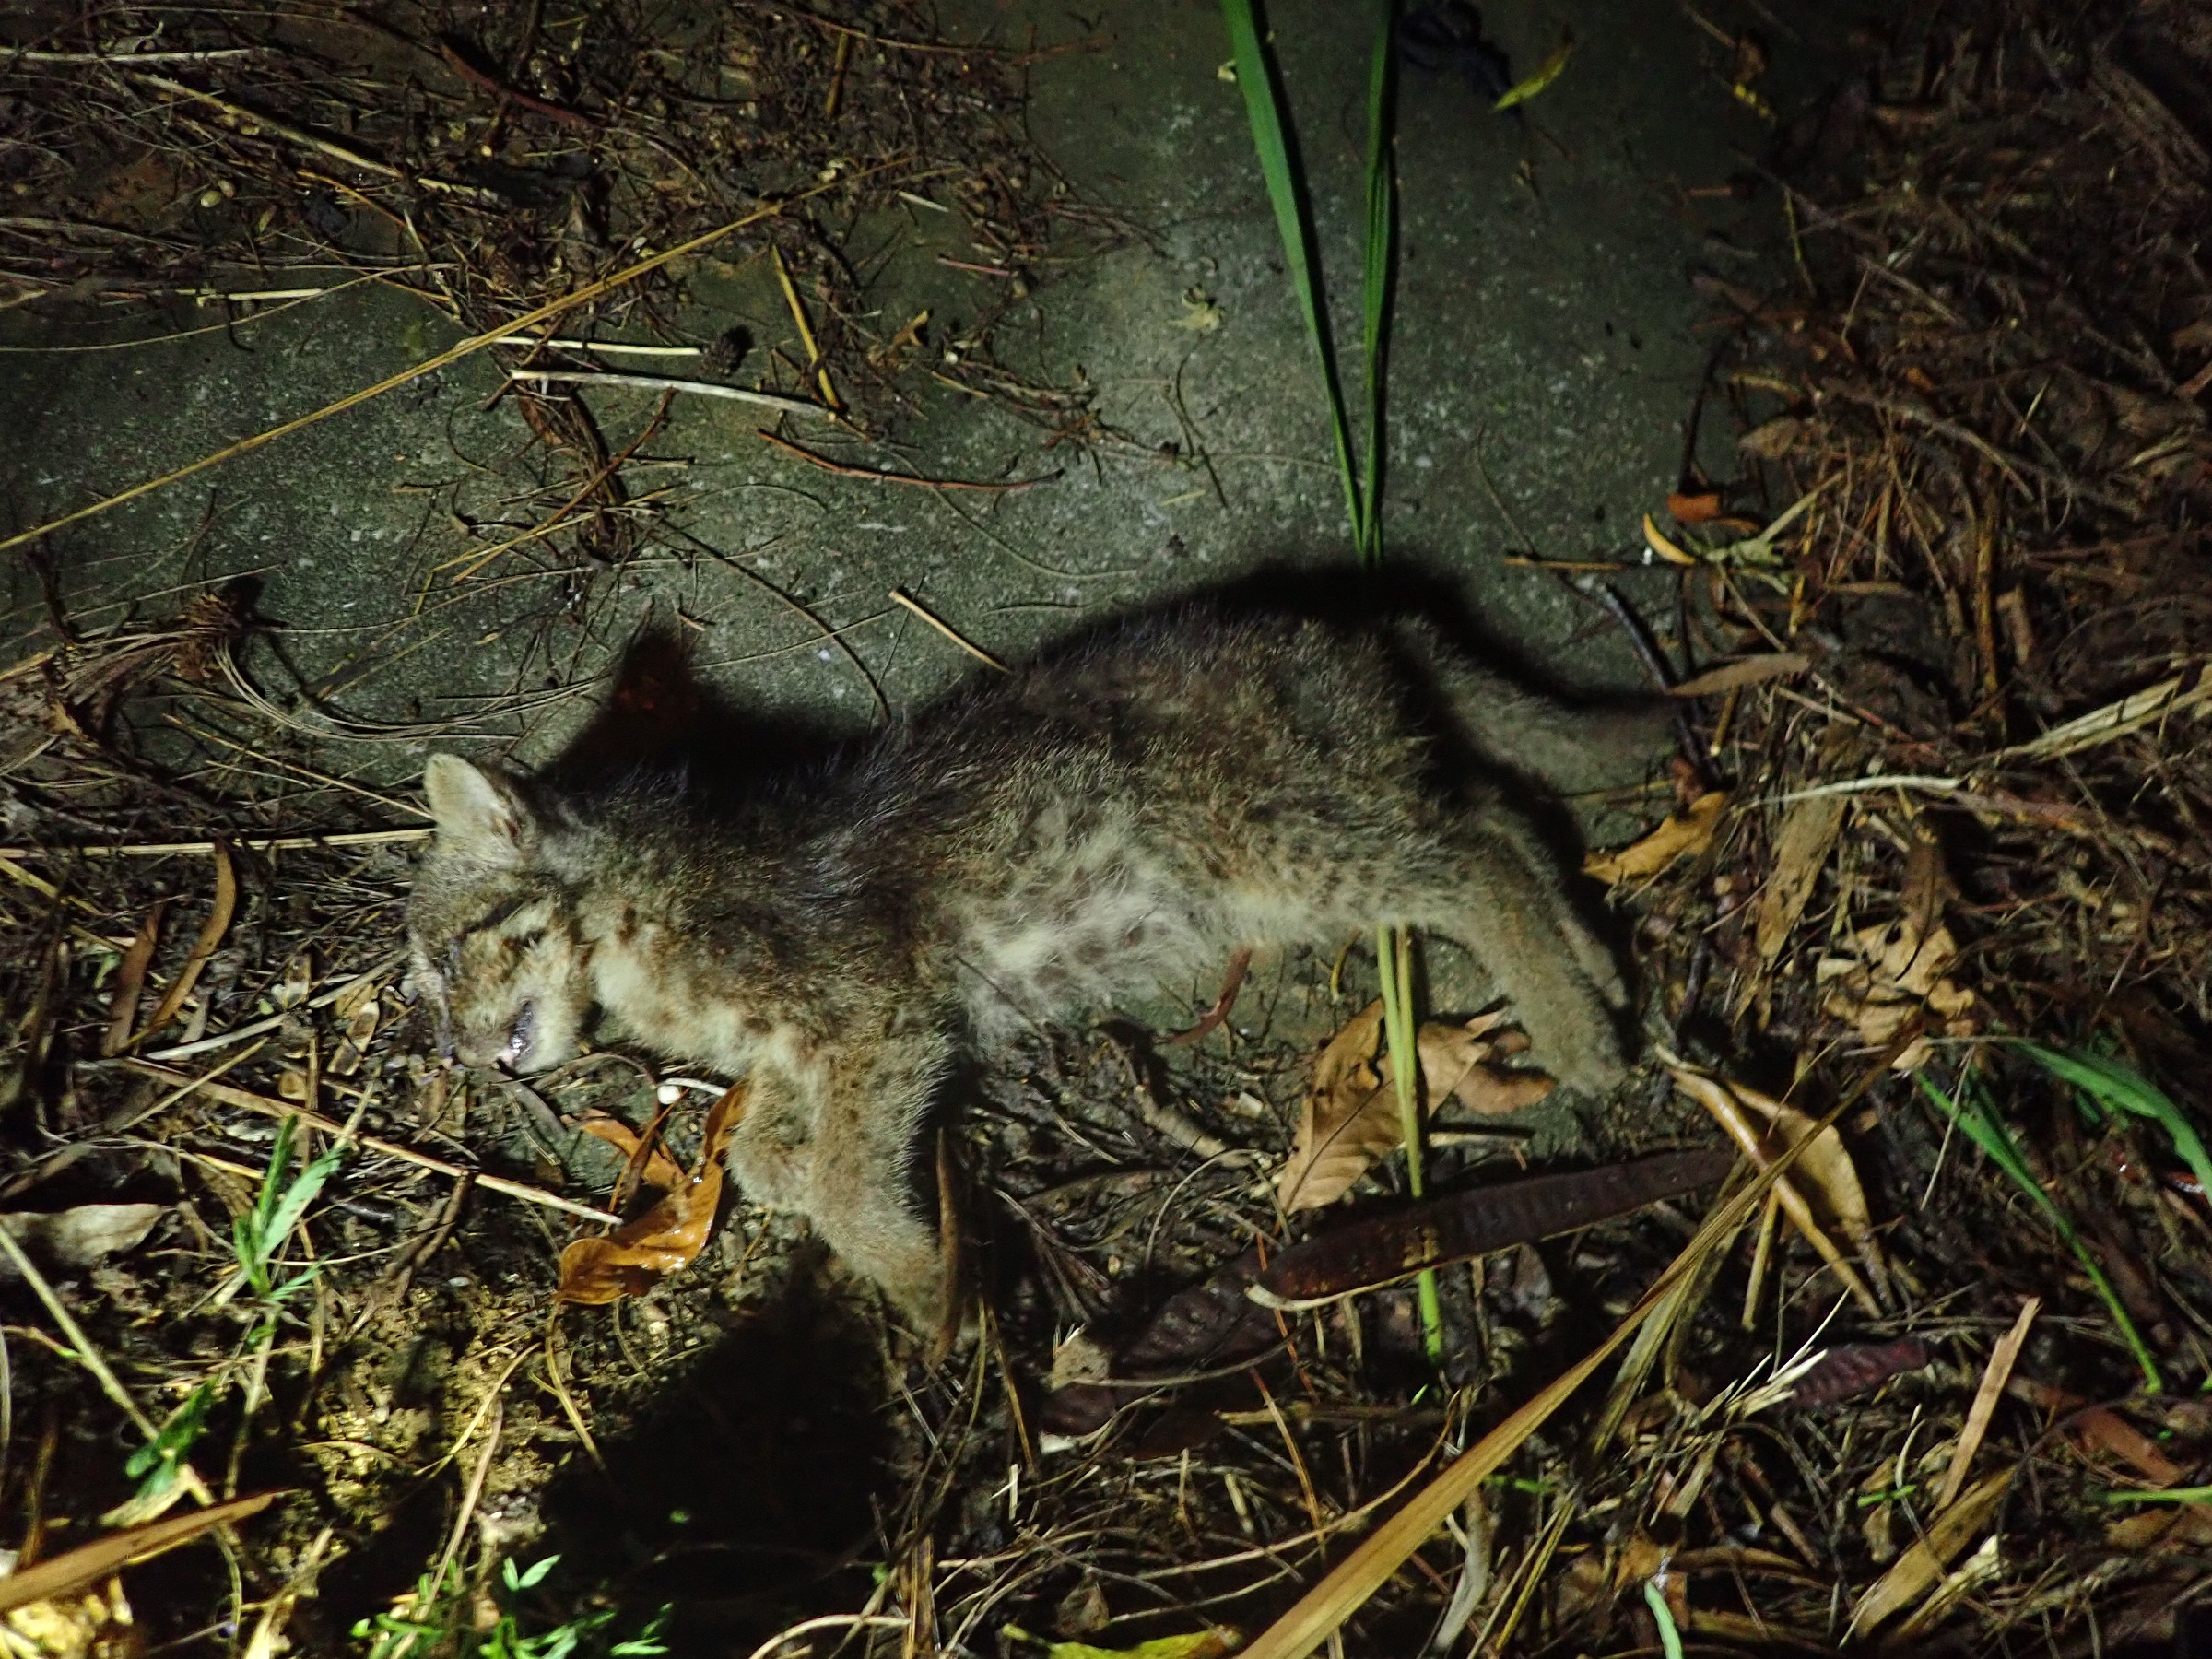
pixel 798 315
pixel 1639 637
pixel 337 152
pixel 902 598
pixel 875 476
pixel 240 1033
pixel 837 77
pixel 130 59
pixel 1655 665
pixel 284 1109
pixel 206 849
pixel 657 383
pixel 536 106
pixel 1530 563
pixel 1993 1378
pixel 617 347
pixel 1231 982
pixel 468 1501
pixel 585 491
pixel 1160 1117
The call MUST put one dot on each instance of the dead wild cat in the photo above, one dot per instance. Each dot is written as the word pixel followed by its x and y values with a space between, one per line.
pixel 1119 817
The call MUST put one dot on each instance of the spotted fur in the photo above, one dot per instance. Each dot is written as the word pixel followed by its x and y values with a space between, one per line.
pixel 1121 815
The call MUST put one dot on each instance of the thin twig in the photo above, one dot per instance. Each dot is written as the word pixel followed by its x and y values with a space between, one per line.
pixel 242 116
pixel 286 1109
pixel 131 60
pixel 900 597
pixel 467 1512
pixel 431 365
pixel 255 843
pixel 609 348
pixel 660 382
pixel 873 475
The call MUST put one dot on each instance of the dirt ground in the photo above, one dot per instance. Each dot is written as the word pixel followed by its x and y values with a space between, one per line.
pixel 1068 379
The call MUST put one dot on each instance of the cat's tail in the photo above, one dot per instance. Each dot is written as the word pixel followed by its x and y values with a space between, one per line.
pixel 1572 749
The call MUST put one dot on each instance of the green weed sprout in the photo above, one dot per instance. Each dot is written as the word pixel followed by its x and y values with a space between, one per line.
pixel 1975 1113
pixel 284 1198
pixel 153 1466
pixel 440 1619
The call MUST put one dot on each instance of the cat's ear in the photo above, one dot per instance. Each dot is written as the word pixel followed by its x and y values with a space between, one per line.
pixel 480 815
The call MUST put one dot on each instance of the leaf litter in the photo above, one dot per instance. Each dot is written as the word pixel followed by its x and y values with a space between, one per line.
pixel 1961 533
pixel 1350 1116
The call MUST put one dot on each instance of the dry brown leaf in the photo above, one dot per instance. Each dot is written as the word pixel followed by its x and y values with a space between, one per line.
pixel 298 983
pixel 1801 848
pixel 1897 975
pixel 655 1168
pixel 1694 508
pixel 130 980
pixel 1749 671
pixel 1660 544
pixel 1734 1107
pixel 1824 1171
pixel 1921 1568
pixel 2099 1428
pixel 67 1575
pixel 351 999
pixel 75 1238
pixel 1349 1119
pixel 1773 440
pixel 1687 831
pixel 353 1047
pixel 204 948
pixel 2134 1535
pixel 1351 1111
pixel 639 1255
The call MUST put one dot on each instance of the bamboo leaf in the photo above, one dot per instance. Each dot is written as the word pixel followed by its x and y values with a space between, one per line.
pixel 1973 1113
pixel 2122 1089
pixel 1263 107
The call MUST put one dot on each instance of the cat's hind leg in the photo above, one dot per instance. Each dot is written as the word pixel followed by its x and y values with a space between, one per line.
pixel 1484 880
pixel 1497 891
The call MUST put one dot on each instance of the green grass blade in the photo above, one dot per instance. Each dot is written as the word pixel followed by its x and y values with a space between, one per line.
pixel 304 1191
pixel 1972 1111
pixel 1380 253
pixel 1264 107
pixel 1662 1616
pixel 1394 965
pixel 2120 1087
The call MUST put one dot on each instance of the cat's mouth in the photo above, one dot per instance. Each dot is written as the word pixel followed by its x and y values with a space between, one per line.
pixel 520 1035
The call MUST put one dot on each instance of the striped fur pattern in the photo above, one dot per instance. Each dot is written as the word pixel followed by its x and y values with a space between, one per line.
pixel 1121 815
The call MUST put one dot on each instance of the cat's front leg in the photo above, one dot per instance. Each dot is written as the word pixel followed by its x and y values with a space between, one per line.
pixel 874 1179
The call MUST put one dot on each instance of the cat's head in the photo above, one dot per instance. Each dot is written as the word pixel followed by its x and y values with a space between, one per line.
pixel 491 926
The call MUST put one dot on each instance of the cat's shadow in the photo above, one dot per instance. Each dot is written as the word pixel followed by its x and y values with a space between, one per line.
pixel 663 720
pixel 742 1493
